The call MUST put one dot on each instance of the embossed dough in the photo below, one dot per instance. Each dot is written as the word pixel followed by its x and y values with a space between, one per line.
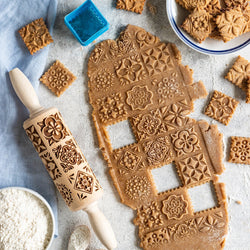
pixel 140 79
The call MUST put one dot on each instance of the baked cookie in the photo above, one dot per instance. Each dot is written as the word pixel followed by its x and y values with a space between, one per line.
pixel 131 5
pixel 236 3
pixel 199 24
pixel 221 107
pixel 58 78
pixel 240 150
pixel 190 5
pixel 35 35
pixel 146 84
pixel 239 73
pixel 214 7
pixel 248 91
pixel 231 24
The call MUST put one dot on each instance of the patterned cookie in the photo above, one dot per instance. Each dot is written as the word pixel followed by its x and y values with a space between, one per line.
pixel 246 14
pixel 198 24
pixel 57 78
pixel 190 5
pixel 214 7
pixel 236 3
pixel 231 24
pixel 131 5
pixel 248 91
pixel 239 73
pixel 240 150
pixel 35 35
pixel 221 107
pixel 142 80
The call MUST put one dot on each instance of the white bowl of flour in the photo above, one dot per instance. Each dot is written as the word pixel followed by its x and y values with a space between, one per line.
pixel 26 222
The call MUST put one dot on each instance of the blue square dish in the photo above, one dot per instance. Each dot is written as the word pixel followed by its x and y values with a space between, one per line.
pixel 86 23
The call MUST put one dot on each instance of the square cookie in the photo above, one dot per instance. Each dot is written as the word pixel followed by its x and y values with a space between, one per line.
pixel 239 73
pixel 35 35
pixel 198 24
pixel 214 7
pixel 231 24
pixel 57 78
pixel 190 5
pixel 240 150
pixel 131 5
pixel 248 91
pixel 221 107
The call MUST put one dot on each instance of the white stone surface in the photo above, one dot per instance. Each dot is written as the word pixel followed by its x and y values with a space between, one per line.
pixel 76 111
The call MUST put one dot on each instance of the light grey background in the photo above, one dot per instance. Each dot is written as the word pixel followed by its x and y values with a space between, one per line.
pixel 76 111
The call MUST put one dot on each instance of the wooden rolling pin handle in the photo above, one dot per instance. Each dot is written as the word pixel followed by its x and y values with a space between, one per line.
pixel 101 226
pixel 25 91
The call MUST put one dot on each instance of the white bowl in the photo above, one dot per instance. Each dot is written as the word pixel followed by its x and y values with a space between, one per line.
pixel 45 203
pixel 176 16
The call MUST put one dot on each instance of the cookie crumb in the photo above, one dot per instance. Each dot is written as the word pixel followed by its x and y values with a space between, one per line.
pixel 152 8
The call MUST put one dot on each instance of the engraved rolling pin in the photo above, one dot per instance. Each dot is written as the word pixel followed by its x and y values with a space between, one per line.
pixel 63 158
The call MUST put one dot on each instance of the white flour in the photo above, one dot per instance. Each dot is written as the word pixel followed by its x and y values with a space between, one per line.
pixel 25 222
pixel 80 238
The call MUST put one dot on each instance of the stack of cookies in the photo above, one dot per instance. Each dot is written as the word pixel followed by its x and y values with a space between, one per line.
pixel 215 19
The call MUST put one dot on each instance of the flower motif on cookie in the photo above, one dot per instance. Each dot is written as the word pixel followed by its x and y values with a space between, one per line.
pixel 130 161
pixel 149 124
pixel 240 150
pixel 53 128
pixel 130 70
pixel 111 107
pixel 122 46
pixel 184 230
pixel 149 216
pixel 155 239
pixel 158 151
pixel 168 88
pixel 200 23
pixel 175 207
pixel 137 187
pixel 35 35
pixel 103 80
pixel 210 224
pixel 176 116
pixel 139 97
pixel 185 141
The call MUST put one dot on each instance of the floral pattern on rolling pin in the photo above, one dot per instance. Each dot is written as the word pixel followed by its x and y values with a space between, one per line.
pixel 69 155
pixel 53 128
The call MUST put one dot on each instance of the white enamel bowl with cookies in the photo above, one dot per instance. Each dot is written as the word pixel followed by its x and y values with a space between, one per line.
pixel 177 15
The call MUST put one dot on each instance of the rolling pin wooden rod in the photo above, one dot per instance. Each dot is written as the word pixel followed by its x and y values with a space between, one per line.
pixel 63 158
